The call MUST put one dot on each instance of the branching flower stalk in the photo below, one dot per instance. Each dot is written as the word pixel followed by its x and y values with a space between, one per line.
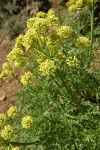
pixel 66 86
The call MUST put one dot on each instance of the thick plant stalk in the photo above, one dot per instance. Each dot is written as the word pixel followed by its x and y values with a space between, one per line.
pixel 7 143
pixel 92 22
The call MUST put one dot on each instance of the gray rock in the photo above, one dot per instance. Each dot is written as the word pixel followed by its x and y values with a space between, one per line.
pixel 2 95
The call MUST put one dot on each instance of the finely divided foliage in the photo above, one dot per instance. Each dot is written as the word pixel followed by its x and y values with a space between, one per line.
pixel 58 106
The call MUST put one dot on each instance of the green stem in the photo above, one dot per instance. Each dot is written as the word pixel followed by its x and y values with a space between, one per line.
pixel 17 79
pixel 92 22
pixel 19 143
pixel 24 144
pixel 66 86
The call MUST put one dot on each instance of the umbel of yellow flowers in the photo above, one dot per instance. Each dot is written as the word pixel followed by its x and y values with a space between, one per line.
pixel 2 119
pixel 83 41
pixel 41 45
pixel 27 122
pixel 27 78
pixel 73 5
pixel 12 112
pixel 48 67
pixel 7 132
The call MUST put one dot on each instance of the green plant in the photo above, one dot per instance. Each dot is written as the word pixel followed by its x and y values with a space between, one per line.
pixel 74 5
pixel 59 123
pixel 60 91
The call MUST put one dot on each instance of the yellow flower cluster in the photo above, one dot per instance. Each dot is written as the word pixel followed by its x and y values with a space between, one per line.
pixel 7 70
pixel 72 61
pixel 30 22
pixel 60 55
pixel 30 39
pixel 64 32
pixel 15 148
pixel 4 74
pixel 6 66
pixel 41 14
pixel 12 112
pixel 2 119
pixel 40 25
pixel 51 12
pixel 52 42
pixel 73 5
pixel 14 61
pixel 16 57
pixel 27 78
pixel 48 67
pixel 83 41
pixel 52 20
pixel 19 42
pixel 40 44
pixel 27 122
pixel 7 132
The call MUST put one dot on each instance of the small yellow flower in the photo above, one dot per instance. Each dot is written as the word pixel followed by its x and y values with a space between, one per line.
pixel 7 70
pixel 6 66
pixel 15 148
pixel 71 5
pixel 51 12
pixel 7 132
pixel 79 3
pixel 52 21
pixel 41 14
pixel 72 61
pixel 19 42
pixel 16 53
pixel 64 32
pixel 3 75
pixel 40 25
pixel 30 39
pixel 27 78
pixel 72 8
pixel 48 67
pixel 60 55
pixel 30 22
pixel 83 41
pixel 74 4
pixel 2 119
pixel 12 111
pixel 53 41
pixel 27 122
